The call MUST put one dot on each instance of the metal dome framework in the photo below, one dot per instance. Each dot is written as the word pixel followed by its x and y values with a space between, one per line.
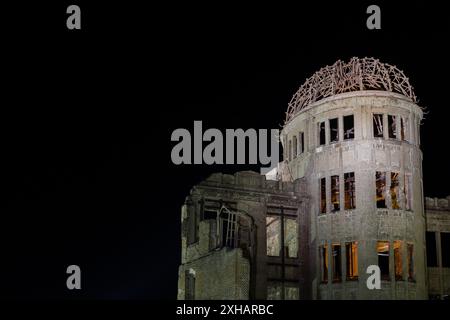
pixel 355 75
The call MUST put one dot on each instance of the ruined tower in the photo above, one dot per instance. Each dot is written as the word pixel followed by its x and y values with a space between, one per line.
pixel 352 132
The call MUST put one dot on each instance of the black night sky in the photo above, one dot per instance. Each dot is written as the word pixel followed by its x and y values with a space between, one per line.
pixel 86 119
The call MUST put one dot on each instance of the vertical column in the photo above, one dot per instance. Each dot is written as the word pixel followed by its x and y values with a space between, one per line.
pixel 385 126
pixel 439 261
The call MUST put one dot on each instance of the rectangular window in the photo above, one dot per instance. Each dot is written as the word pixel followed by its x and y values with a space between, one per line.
pixel 294 142
pixel 335 193
pixel 290 150
pixel 350 195
pixel 445 249
pixel 383 258
pixel 334 130
pixel 290 237
pixel 322 133
pixel 209 215
pixel 229 226
pixel 323 196
pixel 431 249
pixel 398 259
pixel 336 256
pixel 395 203
pixel 323 253
pixel 273 231
pixel 189 286
pixel 378 126
pixel 410 249
pixel 392 126
pixel 275 291
pixel 349 127
pixel 351 249
pixel 380 179
pixel 301 142
pixel 192 225
pixel 274 240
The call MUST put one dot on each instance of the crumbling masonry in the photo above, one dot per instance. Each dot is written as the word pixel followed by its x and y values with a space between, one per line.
pixel 348 194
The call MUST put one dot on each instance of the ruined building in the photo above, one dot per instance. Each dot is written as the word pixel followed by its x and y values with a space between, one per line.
pixel 348 194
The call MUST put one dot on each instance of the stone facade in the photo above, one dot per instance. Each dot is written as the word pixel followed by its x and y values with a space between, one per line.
pixel 348 195
pixel 438 229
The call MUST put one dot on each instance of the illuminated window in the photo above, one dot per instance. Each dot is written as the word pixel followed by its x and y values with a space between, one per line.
pixel 394 191
pixel 336 256
pixel 349 127
pixel 378 125
pixel 323 253
pixel 383 258
pixel 380 178
pixel 322 133
pixel 323 196
pixel 335 193
pixel 349 190
pixel 392 126
pixel 410 248
pixel 398 259
pixel 334 130
pixel 351 250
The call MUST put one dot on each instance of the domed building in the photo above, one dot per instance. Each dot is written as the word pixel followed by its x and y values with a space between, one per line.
pixel 347 196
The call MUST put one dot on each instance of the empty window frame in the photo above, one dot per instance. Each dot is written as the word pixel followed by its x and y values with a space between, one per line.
pixel 192 225
pixel 335 193
pixel 349 127
pixel 301 142
pixel 410 252
pixel 189 287
pixel 323 254
pixel 290 237
pixel 322 139
pixel 349 190
pixel 273 239
pixel 351 251
pixel 209 214
pixel 275 291
pixel 323 195
pixel 394 190
pixel 445 249
pixel 229 229
pixel 336 260
pixel 380 185
pixel 334 130
pixel 294 143
pixel 407 191
pixel 378 125
pixel 431 249
pixel 290 150
pixel 383 258
pixel 392 127
pixel 398 263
